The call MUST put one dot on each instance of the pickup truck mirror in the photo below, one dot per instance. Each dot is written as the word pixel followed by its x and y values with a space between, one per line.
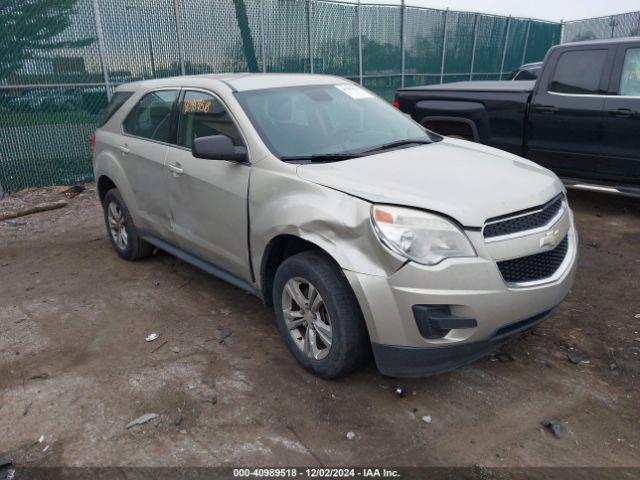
pixel 218 147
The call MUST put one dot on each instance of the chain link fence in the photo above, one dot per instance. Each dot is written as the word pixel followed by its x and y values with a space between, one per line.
pixel 61 60
pixel 613 26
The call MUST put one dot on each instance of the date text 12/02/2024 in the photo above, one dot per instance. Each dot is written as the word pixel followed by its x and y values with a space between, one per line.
pixel 316 472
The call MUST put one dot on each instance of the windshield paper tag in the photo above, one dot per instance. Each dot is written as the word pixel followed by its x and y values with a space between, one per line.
pixel 354 91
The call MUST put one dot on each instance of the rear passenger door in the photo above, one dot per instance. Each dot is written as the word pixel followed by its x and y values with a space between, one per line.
pixel 565 117
pixel 620 146
pixel 147 134
pixel 208 198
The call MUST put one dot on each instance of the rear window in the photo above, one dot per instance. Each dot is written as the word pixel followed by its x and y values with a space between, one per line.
pixel 118 99
pixel 579 72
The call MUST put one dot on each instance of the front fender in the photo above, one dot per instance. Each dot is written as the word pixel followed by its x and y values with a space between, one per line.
pixel 281 203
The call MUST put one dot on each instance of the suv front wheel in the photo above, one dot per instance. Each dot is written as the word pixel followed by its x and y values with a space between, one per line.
pixel 318 315
pixel 122 232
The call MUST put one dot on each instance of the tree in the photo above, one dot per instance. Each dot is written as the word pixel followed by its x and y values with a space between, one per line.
pixel 584 36
pixel 31 26
pixel 245 33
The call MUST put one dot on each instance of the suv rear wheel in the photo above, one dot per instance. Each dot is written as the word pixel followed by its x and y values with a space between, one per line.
pixel 122 232
pixel 318 315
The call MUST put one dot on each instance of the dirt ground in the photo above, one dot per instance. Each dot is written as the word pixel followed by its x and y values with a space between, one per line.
pixel 75 368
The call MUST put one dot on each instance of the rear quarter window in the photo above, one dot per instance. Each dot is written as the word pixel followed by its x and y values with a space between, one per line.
pixel 118 99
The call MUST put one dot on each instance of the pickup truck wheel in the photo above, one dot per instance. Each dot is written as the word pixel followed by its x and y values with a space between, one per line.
pixel 318 315
pixel 122 232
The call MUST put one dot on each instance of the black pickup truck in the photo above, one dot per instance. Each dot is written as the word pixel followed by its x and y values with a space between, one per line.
pixel 581 118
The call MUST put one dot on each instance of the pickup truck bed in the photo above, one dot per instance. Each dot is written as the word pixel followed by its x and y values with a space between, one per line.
pixel 495 118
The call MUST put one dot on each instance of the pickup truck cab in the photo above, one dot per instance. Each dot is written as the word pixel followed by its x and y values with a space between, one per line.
pixel 581 118
pixel 363 230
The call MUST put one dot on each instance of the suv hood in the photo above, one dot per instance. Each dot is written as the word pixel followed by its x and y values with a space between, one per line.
pixel 465 181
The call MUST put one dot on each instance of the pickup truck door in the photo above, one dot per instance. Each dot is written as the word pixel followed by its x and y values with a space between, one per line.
pixel 208 198
pixel 620 146
pixel 566 112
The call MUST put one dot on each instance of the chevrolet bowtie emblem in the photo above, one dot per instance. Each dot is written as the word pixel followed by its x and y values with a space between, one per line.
pixel 550 239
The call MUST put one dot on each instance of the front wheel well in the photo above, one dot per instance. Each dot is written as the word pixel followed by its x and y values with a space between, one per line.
pixel 104 185
pixel 278 250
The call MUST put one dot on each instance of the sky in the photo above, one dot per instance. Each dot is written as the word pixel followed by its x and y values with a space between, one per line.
pixel 554 10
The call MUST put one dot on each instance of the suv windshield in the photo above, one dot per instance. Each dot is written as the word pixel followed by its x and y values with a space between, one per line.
pixel 328 120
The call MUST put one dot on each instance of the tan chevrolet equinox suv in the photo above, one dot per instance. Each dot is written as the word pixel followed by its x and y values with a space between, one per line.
pixel 365 232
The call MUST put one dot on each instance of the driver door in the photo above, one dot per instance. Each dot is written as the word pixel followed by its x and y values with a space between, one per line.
pixel 208 198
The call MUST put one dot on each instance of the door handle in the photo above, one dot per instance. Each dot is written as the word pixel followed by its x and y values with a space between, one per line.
pixel 124 149
pixel 175 169
pixel 548 109
pixel 623 113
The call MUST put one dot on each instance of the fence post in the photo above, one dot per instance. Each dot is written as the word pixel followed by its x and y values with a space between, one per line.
pixel 506 45
pixel 402 41
pixel 176 10
pixel 613 23
pixel 475 43
pixel 262 39
pixel 562 27
pixel 444 45
pixel 526 43
pixel 358 7
pixel 310 33
pixel 102 51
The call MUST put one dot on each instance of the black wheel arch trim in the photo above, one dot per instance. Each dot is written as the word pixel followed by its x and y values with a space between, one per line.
pixel 466 121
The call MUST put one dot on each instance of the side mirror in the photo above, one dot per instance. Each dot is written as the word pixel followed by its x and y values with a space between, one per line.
pixel 218 147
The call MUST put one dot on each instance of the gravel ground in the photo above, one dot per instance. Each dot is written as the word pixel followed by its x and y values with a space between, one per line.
pixel 75 368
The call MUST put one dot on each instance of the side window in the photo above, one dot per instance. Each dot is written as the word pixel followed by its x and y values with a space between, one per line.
pixel 117 100
pixel 203 115
pixel 579 72
pixel 151 117
pixel 630 81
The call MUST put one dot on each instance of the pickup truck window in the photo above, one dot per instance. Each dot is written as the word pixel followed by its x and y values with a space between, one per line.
pixel 630 81
pixel 579 72
pixel 203 115
pixel 151 117
pixel 327 120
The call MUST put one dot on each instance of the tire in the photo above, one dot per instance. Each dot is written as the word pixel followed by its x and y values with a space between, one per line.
pixel 130 247
pixel 349 347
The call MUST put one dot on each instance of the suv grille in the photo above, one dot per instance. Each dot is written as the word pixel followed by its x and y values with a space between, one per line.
pixel 534 267
pixel 539 217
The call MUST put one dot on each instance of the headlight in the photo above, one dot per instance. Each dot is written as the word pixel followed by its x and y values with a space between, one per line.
pixel 419 236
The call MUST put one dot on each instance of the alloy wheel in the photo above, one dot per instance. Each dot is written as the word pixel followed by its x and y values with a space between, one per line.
pixel 117 227
pixel 306 317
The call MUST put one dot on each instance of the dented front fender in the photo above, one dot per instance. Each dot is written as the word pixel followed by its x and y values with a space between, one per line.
pixel 281 203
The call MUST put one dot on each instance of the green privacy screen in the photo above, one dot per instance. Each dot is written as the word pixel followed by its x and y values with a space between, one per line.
pixel 61 60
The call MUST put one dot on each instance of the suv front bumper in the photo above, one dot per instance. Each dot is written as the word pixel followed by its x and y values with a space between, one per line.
pixel 471 288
